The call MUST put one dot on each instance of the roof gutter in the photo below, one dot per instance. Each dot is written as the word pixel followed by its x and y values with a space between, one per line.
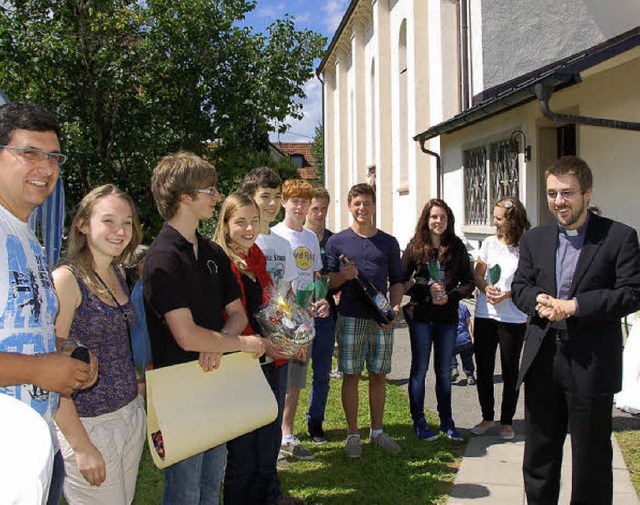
pixel 439 175
pixel 545 90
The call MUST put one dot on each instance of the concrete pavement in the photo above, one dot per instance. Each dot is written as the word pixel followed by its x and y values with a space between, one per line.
pixel 491 470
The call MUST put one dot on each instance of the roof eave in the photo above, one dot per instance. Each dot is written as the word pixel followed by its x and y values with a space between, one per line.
pixel 563 73
pixel 336 36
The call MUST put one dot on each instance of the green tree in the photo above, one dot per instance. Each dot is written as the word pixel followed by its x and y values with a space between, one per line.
pixel 317 150
pixel 247 162
pixel 132 81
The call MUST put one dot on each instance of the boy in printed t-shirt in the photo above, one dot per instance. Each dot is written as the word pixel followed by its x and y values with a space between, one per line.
pixel 296 199
pixel 264 185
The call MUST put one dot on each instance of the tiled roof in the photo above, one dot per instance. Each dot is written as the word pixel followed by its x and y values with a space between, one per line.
pixel 308 170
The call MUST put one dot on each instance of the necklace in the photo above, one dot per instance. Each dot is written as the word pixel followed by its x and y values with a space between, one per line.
pixel 125 317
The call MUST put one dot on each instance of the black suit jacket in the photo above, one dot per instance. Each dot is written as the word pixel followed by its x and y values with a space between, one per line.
pixel 606 284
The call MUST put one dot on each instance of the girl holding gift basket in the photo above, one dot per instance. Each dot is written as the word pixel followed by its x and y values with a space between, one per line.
pixel 438 273
pixel 497 320
pixel 251 475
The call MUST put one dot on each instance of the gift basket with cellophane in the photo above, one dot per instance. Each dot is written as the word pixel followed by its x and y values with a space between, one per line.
pixel 285 323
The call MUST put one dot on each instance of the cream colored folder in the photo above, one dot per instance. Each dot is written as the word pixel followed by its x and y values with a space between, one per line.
pixel 197 410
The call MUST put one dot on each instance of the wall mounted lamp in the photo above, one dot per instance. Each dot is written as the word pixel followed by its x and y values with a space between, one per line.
pixel 514 148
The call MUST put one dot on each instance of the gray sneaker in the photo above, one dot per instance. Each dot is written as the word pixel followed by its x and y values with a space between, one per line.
pixel 387 443
pixel 282 463
pixel 353 448
pixel 296 450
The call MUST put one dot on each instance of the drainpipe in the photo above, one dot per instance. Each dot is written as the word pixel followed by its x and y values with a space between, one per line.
pixel 323 130
pixel 544 92
pixel 439 175
pixel 463 47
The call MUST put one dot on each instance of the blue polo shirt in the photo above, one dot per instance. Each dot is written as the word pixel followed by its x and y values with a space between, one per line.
pixel 377 258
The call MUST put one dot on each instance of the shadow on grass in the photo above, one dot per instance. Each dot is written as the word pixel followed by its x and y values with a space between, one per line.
pixel 423 473
pixel 398 382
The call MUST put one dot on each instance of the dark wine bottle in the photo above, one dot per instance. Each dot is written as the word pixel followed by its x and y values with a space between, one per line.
pixel 378 304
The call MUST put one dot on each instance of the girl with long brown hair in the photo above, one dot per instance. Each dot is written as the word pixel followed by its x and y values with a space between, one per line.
pixel 437 269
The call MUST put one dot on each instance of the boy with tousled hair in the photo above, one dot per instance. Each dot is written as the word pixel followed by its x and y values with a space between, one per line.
pixel 188 287
pixel 296 199
pixel 376 255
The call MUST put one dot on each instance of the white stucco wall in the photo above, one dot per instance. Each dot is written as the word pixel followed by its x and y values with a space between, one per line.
pixel 366 115
pixel 612 154
pixel 606 91
pixel 521 35
pixel 402 148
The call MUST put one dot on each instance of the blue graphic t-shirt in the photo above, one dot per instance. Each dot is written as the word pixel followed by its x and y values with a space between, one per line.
pixel 28 307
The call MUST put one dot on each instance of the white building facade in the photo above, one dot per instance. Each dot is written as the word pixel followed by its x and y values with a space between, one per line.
pixel 457 70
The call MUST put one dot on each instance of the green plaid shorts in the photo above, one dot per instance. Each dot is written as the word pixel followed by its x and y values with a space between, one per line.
pixel 360 341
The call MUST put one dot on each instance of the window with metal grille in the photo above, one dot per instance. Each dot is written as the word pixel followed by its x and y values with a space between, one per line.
pixel 490 172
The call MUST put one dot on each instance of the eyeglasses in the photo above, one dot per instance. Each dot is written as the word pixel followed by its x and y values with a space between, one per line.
pixel 31 154
pixel 566 195
pixel 208 191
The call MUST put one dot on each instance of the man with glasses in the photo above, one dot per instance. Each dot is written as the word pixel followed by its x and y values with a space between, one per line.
pixel 30 368
pixel 576 278
pixel 188 289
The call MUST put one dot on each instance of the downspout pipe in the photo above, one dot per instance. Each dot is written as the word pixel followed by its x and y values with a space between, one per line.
pixel 439 177
pixel 463 47
pixel 543 93
pixel 324 157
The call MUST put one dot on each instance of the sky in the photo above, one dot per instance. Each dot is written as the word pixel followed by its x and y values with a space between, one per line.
pixel 322 16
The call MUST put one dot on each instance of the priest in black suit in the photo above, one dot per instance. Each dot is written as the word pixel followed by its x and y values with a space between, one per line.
pixel 577 278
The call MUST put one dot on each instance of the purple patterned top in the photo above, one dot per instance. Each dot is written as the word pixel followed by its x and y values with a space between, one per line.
pixel 102 329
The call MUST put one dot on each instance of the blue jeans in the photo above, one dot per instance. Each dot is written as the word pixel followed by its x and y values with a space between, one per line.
pixel 443 337
pixel 321 354
pixel 196 480
pixel 466 354
pixel 57 480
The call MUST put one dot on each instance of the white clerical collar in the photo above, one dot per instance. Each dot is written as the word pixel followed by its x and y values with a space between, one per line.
pixel 581 230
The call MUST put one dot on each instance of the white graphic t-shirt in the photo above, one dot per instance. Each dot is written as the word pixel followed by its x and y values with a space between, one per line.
pixel 306 254
pixel 277 250
pixel 28 307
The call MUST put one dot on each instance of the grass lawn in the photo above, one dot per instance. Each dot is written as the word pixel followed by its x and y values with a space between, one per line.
pixel 629 442
pixel 423 473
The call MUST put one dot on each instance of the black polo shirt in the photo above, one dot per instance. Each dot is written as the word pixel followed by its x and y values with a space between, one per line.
pixel 174 279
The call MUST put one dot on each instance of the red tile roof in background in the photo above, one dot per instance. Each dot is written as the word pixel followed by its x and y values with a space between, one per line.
pixel 308 170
